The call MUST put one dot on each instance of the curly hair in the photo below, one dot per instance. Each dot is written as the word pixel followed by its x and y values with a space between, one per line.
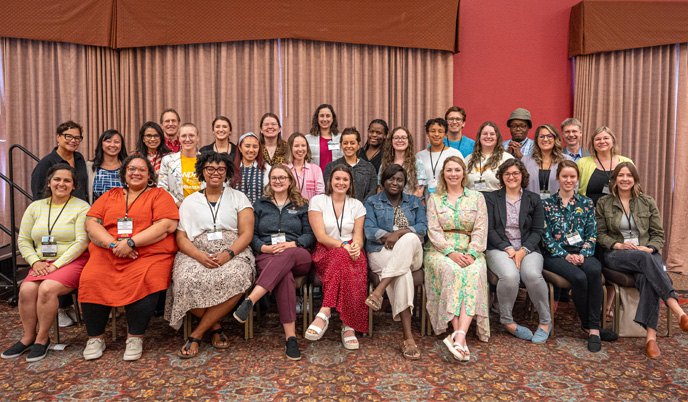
pixel 442 182
pixel 47 192
pixel 525 176
pixel 210 157
pixel 557 150
pixel 315 126
pixel 409 157
pixel 152 176
pixel 497 153
pixel 293 192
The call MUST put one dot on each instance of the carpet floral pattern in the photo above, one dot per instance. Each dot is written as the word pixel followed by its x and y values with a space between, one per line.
pixel 505 369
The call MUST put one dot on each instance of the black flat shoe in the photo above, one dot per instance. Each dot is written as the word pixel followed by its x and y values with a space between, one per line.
pixel 15 350
pixel 607 335
pixel 244 309
pixel 293 352
pixel 594 343
pixel 38 352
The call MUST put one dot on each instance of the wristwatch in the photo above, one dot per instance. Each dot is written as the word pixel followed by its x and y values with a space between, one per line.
pixel 130 243
pixel 231 253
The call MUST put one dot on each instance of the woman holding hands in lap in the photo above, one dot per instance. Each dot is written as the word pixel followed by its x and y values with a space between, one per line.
pixel 455 272
pixel 337 219
pixel 51 240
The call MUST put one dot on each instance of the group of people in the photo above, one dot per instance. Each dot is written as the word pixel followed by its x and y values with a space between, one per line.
pixel 212 230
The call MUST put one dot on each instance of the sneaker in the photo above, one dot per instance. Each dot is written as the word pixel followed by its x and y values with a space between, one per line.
pixel 71 312
pixel 293 352
pixel 63 319
pixel 94 348
pixel 38 352
pixel 299 304
pixel 134 348
pixel 245 308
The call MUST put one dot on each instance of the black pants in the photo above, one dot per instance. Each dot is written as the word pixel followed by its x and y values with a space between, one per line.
pixel 650 280
pixel 139 314
pixel 586 286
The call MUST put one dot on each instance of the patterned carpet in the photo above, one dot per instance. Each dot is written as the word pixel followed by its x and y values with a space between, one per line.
pixel 505 369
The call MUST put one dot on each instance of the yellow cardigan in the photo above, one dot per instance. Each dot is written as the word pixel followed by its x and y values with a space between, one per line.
pixel 587 166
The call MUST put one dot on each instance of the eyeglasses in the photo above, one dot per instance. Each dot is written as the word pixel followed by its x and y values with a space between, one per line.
pixel 134 169
pixel 212 170
pixel 278 179
pixel 546 136
pixel 518 126
pixel 150 136
pixel 454 119
pixel 512 174
pixel 69 138
pixel 169 121
pixel 400 139
pixel 270 124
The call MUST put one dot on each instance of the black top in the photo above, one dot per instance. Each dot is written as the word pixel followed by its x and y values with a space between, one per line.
pixel 365 177
pixel 531 220
pixel 291 220
pixel 40 172
pixel 543 177
pixel 598 180
pixel 376 160
pixel 232 151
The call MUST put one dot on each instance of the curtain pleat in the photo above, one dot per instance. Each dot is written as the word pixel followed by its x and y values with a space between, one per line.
pixel 633 92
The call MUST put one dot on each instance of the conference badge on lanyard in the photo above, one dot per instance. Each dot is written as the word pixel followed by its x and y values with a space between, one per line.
pixel 605 189
pixel 544 194
pixel 278 238
pixel 480 185
pixel 48 246
pixel 432 184
pixel 631 238
pixel 332 146
pixel 125 228
pixel 214 235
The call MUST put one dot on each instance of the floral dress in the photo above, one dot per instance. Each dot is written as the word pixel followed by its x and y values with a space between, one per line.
pixel 449 285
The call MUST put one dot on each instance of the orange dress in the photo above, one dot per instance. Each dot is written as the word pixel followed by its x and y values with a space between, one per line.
pixel 113 281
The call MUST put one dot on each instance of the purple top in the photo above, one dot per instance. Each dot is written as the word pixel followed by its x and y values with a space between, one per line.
pixel 512 230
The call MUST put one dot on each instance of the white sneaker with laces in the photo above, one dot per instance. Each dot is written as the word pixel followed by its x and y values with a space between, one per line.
pixel 134 348
pixel 94 348
pixel 63 319
pixel 71 313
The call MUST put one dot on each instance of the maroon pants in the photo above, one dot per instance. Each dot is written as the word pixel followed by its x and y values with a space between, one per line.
pixel 276 274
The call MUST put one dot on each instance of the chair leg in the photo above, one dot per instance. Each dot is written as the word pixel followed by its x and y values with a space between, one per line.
pixel 113 322
pixel 551 306
pixel 670 321
pixel 617 308
pixel 310 304
pixel 370 312
pixel 57 330
pixel 603 315
pixel 306 306
pixel 187 325
pixel 423 312
pixel 77 310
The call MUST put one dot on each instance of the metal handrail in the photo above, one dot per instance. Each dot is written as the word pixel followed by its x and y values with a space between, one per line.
pixel 13 226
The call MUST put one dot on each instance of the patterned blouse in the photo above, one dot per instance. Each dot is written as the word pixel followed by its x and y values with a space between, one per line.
pixel 468 214
pixel 278 156
pixel 577 216
pixel 104 181
pixel 513 230
pixel 252 182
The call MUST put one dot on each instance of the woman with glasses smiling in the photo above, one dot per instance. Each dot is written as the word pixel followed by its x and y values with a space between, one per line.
pixel 274 147
pixel 214 266
pixel 151 143
pixel 545 159
pixel 282 236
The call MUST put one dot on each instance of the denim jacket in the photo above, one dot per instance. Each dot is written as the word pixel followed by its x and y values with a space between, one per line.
pixel 380 218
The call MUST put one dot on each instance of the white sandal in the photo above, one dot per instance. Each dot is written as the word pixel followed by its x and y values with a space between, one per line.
pixel 347 341
pixel 459 352
pixel 317 331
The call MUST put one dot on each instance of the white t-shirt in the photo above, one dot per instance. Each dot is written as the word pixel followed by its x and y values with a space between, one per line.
pixel 195 217
pixel 489 175
pixel 353 209
pixel 438 159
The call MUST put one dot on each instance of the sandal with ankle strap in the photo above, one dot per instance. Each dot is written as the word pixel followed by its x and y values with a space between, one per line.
pixel 410 350
pixel 374 302
pixel 348 341
pixel 452 346
pixel 187 347
pixel 317 331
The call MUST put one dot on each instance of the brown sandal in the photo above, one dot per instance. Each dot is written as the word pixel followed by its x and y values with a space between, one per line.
pixel 410 350
pixel 374 301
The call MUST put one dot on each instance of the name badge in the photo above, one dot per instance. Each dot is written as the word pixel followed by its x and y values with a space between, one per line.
pixel 279 238
pixel 332 146
pixel 432 184
pixel 573 238
pixel 544 194
pixel 395 228
pixel 48 246
pixel 481 185
pixel 631 238
pixel 214 235
pixel 605 189
pixel 125 226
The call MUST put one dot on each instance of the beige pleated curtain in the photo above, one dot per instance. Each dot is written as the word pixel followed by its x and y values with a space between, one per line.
pixel 634 92
pixel 47 83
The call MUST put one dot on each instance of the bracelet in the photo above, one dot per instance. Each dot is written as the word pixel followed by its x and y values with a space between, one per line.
pixel 112 245
pixel 343 243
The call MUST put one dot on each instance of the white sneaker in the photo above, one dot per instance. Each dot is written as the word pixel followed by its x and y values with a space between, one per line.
pixel 134 348
pixel 63 319
pixel 71 313
pixel 94 348
pixel 299 304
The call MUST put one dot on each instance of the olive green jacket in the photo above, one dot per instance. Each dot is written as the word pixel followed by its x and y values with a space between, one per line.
pixel 645 214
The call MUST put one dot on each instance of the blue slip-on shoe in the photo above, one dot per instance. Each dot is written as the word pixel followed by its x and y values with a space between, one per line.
pixel 522 333
pixel 541 335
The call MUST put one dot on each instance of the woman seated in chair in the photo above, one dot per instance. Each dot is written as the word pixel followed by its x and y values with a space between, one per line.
pixel 513 248
pixel 455 272
pixel 281 239
pixel 569 240
pixel 51 240
pixel 395 226
pixel 629 229
pixel 337 219
pixel 131 253
pixel 215 266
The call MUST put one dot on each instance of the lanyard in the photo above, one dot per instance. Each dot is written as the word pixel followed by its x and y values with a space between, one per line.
pixel 434 168
pixel 627 215
pixel 336 219
pixel 544 181
pixel 606 172
pixel 216 211
pixel 50 206
pixel 126 205
pixel 303 178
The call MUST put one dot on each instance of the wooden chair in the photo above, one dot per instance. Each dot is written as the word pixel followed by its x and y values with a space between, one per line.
pixel 56 326
pixel 418 282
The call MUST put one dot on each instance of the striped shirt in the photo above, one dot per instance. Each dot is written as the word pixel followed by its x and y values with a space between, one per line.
pixel 310 181
pixel 69 231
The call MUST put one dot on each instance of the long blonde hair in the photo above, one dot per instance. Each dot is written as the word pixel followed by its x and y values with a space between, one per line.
pixel 495 158
pixel 604 129
pixel 442 183
pixel 409 158
pixel 293 192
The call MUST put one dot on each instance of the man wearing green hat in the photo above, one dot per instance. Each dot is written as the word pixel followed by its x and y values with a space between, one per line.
pixel 519 123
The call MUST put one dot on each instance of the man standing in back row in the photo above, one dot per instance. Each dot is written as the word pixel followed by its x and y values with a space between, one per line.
pixel 572 132
pixel 519 123
pixel 456 119
pixel 170 121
